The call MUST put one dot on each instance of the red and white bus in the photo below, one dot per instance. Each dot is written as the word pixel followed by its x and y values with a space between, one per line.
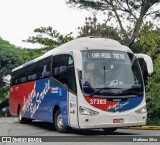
pixel 86 83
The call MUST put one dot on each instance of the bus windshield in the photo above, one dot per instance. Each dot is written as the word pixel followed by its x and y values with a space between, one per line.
pixel 109 70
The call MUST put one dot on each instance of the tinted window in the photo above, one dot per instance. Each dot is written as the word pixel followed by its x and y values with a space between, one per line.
pixel 64 72
pixel 31 72
pixel 38 70
pixel 14 79
pixel 45 68
pixel 60 68
pixel 71 76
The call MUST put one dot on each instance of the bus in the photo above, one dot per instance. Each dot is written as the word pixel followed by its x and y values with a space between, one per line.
pixel 86 83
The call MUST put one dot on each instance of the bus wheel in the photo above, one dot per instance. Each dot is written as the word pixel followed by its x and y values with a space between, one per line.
pixel 21 119
pixel 109 130
pixel 58 122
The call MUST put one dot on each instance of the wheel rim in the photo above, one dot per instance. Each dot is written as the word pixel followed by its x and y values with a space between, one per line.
pixel 60 121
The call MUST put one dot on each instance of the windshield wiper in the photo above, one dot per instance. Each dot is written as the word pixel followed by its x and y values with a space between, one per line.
pixel 102 89
pixel 132 91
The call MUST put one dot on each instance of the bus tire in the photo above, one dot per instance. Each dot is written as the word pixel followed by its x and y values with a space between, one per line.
pixel 58 122
pixel 109 130
pixel 21 119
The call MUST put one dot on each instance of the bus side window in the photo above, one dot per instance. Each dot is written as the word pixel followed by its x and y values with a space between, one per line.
pixel 30 78
pixel 14 79
pixel 45 72
pixel 44 68
pixel 60 68
pixel 23 79
pixel 64 72
pixel 31 72
pixel 22 76
pixel 63 75
pixel 56 71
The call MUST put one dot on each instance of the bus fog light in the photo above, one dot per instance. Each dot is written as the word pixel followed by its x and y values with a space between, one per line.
pixel 86 111
pixel 141 110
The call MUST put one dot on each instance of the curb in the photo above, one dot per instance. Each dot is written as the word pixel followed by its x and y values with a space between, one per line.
pixel 144 127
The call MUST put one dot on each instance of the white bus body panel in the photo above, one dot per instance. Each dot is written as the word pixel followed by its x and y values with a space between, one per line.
pixel 105 119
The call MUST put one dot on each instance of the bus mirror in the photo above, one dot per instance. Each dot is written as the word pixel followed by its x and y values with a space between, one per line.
pixel 146 65
pixel 145 62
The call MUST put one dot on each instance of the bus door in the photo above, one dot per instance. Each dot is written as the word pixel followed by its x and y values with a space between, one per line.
pixel 72 97
pixel 73 110
pixel 64 72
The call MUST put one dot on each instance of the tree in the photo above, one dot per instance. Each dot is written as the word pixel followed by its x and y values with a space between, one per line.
pixel 92 28
pixel 48 38
pixel 29 54
pixel 153 91
pixel 133 11
pixel 9 59
pixel 151 45
pixel 150 42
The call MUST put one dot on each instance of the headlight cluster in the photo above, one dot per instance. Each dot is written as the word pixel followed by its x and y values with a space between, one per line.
pixel 86 111
pixel 142 110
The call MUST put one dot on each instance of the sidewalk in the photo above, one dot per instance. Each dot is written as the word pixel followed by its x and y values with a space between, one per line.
pixel 144 127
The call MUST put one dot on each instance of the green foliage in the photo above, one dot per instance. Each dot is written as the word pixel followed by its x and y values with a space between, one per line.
pixel 153 121
pixel 150 40
pixel 48 38
pixel 91 28
pixel 130 13
pixel 4 94
pixel 29 54
pixel 9 59
pixel 153 91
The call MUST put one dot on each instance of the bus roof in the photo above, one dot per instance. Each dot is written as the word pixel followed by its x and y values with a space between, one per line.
pixel 81 44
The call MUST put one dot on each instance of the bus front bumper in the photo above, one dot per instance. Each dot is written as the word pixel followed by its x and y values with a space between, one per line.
pixel 87 122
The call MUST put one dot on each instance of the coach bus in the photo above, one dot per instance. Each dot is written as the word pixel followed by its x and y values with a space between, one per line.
pixel 86 83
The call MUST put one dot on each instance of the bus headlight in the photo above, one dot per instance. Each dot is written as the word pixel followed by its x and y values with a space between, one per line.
pixel 86 111
pixel 141 110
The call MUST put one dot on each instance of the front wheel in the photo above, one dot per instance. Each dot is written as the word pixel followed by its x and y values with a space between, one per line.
pixel 109 130
pixel 58 122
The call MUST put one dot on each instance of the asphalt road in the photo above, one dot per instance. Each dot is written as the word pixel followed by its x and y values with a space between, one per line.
pixel 11 127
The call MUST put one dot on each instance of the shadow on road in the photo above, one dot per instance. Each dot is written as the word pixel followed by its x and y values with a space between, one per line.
pixel 50 127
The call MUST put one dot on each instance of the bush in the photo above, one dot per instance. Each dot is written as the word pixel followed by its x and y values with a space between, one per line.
pixel 153 91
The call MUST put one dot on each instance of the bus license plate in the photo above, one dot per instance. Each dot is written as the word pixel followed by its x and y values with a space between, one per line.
pixel 118 120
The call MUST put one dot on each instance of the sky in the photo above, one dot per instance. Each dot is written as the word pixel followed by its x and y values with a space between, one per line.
pixel 18 18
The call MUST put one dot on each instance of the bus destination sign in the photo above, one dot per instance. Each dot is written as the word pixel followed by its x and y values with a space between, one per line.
pixel 106 55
